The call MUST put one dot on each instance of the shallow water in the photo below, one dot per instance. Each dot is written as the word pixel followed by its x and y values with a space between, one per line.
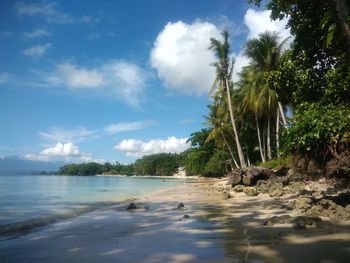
pixel 32 200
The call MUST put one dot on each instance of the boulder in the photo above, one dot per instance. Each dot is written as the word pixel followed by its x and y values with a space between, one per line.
pixel 239 188
pixel 131 206
pixel 301 222
pixel 250 191
pixel 180 206
pixel 284 219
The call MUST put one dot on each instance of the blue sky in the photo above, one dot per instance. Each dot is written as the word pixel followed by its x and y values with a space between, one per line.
pixel 112 80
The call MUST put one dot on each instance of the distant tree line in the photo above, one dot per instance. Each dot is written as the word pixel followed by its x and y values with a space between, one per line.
pixel 162 164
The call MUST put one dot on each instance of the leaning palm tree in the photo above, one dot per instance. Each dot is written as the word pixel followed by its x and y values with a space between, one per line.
pixel 218 121
pixel 224 69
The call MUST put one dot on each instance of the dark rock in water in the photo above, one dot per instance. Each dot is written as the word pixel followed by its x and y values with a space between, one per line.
pixel 186 216
pixel 180 206
pixel 131 206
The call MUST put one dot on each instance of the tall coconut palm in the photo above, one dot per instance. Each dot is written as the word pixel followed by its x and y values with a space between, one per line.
pixel 217 119
pixel 250 85
pixel 265 53
pixel 224 69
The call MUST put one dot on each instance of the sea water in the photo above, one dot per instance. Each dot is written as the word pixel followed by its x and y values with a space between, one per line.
pixel 27 201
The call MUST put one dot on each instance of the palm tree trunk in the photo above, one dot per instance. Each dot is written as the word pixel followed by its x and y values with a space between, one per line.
pixel 277 133
pixel 264 140
pixel 269 157
pixel 259 139
pixel 229 149
pixel 342 12
pixel 239 148
pixel 283 116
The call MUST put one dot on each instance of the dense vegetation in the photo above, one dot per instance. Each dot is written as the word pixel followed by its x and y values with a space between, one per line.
pixel 310 77
pixel 307 76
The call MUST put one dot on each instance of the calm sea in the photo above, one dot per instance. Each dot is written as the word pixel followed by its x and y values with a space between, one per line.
pixel 28 201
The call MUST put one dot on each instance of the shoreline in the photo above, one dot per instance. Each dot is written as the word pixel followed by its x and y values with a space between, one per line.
pixel 216 229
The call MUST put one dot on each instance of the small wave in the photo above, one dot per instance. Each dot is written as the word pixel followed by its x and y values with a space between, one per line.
pixel 14 230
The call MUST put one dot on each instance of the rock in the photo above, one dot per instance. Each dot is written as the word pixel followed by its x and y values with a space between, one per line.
pixel 250 191
pixel 301 222
pixel 226 195
pixel 276 192
pixel 131 206
pixel 180 206
pixel 302 204
pixel 239 188
pixel 278 220
pixel 235 177
pixel 186 216
pixel 298 222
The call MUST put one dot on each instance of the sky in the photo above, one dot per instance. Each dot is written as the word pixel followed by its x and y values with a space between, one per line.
pixel 112 80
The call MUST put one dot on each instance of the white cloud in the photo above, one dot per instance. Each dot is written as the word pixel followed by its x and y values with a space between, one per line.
pixel 181 56
pixel 260 21
pixel 36 33
pixel 139 148
pixel 63 135
pixel 127 126
pixel 47 10
pixel 121 79
pixel 37 51
pixel 75 77
pixel 61 149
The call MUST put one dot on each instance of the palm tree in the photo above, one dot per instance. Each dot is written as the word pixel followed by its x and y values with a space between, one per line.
pixel 250 83
pixel 224 68
pixel 217 119
pixel 265 53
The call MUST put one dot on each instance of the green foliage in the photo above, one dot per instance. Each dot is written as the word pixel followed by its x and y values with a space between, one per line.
pixel 82 169
pixel 277 163
pixel 318 130
pixel 162 164
pixel 217 165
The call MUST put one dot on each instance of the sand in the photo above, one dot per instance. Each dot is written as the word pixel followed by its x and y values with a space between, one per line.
pixel 217 230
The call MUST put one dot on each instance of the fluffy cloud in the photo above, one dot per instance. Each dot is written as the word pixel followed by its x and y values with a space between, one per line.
pixel 37 51
pixel 122 79
pixel 257 23
pixel 66 151
pixel 63 135
pixel 181 56
pixel 260 21
pixel 139 148
pixel 127 126
pixel 36 33
pixel 61 149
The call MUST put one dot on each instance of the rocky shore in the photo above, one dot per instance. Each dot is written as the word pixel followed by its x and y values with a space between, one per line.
pixel 307 202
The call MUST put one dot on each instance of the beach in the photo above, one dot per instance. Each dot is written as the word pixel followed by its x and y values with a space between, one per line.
pixel 209 228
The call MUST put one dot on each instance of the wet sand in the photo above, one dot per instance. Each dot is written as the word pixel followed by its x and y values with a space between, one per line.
pixel 217 230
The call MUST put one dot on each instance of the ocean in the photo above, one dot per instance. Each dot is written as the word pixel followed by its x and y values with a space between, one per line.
pixel 29 201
